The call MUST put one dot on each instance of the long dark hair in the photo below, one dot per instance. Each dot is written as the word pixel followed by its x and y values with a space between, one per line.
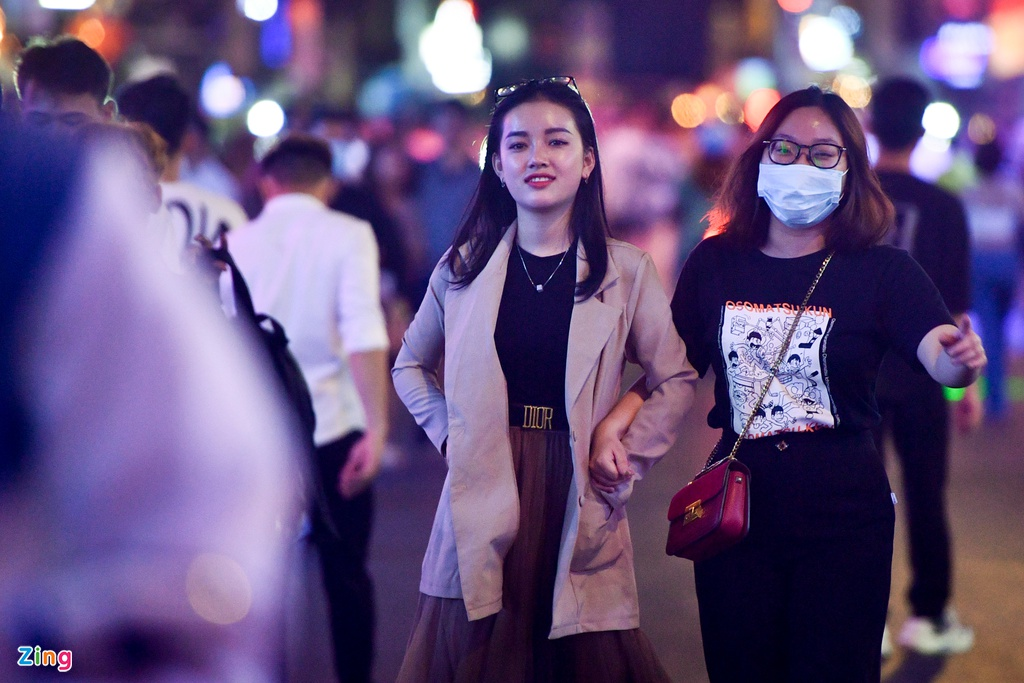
pixel 492 208
pixel 864 213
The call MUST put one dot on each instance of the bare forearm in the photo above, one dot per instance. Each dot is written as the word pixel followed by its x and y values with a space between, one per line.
pixel 952 356
pixel 370 374
pixel 622 415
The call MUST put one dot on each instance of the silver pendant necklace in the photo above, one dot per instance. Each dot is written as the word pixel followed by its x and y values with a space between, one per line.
pixel 540 287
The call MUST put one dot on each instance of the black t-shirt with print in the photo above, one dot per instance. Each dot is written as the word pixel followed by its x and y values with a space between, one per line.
pixel 733 308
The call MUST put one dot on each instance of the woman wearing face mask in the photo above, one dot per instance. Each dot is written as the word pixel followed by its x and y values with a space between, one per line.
pixel 528 575
pixel 803 597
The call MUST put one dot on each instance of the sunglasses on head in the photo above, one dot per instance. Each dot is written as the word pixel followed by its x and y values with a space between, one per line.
pixel 506 90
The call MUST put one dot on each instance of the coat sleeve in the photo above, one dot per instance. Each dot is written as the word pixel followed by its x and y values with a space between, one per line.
pixel 415 373
pixel 654 344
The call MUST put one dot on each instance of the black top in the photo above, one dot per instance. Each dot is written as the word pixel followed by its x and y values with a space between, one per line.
pixel 532 331
pixel 932 226
pixel 733 306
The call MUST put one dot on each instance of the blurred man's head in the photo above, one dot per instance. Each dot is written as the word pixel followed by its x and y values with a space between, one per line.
pixel 298 163
pixel 63 82
pixel 897 108
pixel 163 103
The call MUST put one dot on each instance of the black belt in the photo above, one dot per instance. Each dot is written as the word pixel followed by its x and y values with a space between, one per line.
pixel 536 417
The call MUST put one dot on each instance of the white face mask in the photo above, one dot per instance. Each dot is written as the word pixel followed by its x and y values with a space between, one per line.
pixel 798 194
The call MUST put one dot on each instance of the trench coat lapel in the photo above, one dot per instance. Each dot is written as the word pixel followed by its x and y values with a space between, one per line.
pixel 593 321
pixel 473 311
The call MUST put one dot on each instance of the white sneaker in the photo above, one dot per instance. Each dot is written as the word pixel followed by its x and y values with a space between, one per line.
pixel 887 646
pixel 945 636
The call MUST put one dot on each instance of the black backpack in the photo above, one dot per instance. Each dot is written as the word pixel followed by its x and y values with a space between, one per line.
pixel 271 338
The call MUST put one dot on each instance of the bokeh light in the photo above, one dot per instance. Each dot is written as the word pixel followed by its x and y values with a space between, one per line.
pixel 688 110
pixel 795 6
pixel 728 109
pixel 91 32
pixel 709 93
pixel 66 4
pixel 848 18
pixel 855 90
pixel 958 54
pixel 758 105
pixel 265 119
pixel 753 74
pixel 221 93
pixel 509 38
pixel 824 44
pixel 981 129
pixel 452 50
pixel 218 589
pixel 258 10
pixel 1007 23
pixel 941 120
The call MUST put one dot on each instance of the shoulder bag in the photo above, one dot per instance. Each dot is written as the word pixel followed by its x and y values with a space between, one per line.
pixel 712 512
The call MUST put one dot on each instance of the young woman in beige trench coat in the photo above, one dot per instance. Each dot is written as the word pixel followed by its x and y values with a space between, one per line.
pixel 528 575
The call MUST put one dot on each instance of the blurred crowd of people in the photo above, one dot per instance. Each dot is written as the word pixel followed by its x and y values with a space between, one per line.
pixel 135 407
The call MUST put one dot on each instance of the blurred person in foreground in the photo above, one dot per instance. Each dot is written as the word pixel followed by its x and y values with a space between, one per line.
pixel 995 216
pixel 804 596
pixel 931 225
pixel 316 271
pixel 528 574
pixel 63 82
pixel 148 476
pixel 191 211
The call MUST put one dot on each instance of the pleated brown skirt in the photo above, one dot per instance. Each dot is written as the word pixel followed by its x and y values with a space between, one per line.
pixel 512 646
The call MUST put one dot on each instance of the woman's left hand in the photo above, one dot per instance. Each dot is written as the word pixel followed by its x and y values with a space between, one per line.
pixel 609 462
pixel 964 347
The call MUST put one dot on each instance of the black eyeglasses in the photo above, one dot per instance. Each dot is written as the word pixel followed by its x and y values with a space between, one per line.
pixel 821 154
pixel 506 90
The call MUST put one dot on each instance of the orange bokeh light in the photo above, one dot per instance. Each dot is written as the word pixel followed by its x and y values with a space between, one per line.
pixel 92 32
pixel 758 105
pixel 796 6
pixel 106 35
pixel 688 110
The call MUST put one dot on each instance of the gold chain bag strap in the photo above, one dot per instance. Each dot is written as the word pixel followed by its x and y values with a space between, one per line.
pixel 712 512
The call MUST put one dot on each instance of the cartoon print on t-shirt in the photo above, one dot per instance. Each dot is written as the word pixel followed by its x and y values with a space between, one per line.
pixel 751 337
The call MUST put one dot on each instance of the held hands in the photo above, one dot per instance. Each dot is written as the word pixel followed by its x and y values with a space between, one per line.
pixel 609 462
pixel 963 347
pixel 363 465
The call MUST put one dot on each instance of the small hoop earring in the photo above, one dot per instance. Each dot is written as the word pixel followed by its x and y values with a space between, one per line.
pixel 502 181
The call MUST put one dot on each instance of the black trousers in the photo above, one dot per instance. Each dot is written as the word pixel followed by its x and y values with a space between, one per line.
pixel 919 425
pixel 803 598
pixel 341 532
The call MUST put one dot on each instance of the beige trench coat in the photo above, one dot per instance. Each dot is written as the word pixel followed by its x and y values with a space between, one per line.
pixel 478 513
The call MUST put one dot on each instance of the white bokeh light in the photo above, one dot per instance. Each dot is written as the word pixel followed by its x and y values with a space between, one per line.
pixel 452 50
pixel 265 119
pixel 825 45
pixel 258 10
pixel 941 120
pixel 66 4
pixel 221 93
